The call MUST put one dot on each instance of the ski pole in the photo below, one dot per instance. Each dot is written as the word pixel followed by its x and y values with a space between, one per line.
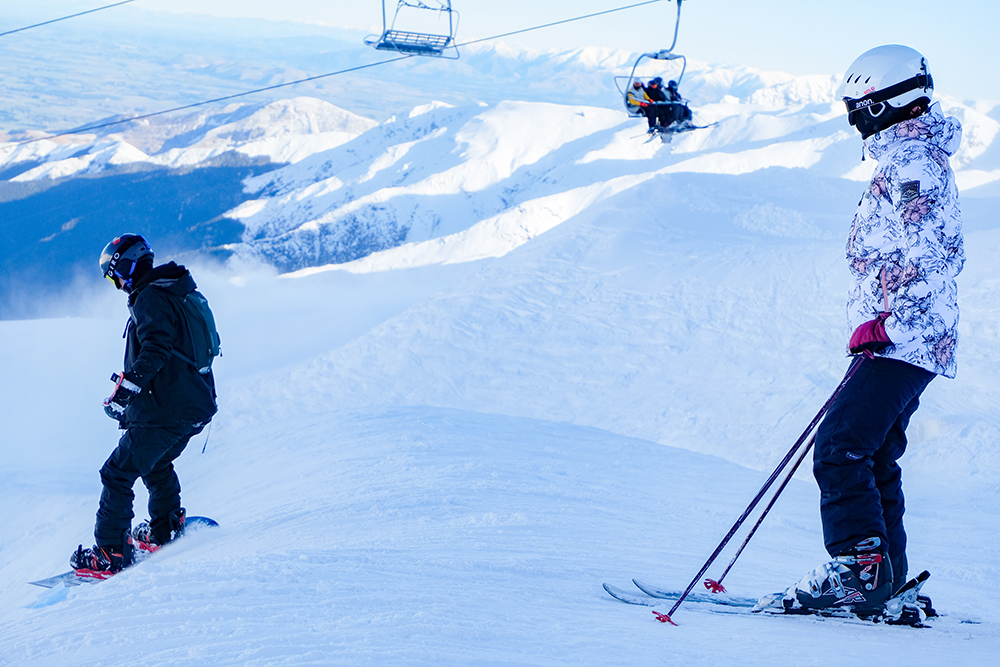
pixel 767 484
pixel 715 585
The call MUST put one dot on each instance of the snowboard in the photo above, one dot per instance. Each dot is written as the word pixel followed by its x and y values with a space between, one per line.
pixel 139 554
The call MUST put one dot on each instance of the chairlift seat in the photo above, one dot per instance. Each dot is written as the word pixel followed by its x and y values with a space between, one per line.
pixel 416 43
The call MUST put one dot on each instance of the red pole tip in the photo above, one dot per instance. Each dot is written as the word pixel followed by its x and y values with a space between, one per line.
pixel 663 618
pixel 714 586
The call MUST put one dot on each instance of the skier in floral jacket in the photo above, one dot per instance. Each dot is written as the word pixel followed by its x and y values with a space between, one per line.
pixel 908 233
pixel 904 251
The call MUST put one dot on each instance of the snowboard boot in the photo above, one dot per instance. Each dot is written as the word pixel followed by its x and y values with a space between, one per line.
pixel 858 580
pixel 142 537
pixel 102 560
pixel 146 539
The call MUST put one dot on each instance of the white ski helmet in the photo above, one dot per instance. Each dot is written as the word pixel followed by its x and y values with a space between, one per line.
pixel 881 84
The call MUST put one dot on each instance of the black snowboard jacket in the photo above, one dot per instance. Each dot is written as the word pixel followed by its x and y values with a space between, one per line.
pixel 172 392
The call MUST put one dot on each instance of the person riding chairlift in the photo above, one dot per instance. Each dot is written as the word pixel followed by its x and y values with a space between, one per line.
pixel 662 112
pixel 638 99
pixel 678 112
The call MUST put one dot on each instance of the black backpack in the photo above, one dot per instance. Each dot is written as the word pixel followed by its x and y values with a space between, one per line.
pixel 201 331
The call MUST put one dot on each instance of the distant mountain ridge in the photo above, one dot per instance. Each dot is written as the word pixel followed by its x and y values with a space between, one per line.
pixel 309 184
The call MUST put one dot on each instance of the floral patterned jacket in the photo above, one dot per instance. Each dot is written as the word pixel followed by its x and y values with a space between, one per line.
pixel 907 236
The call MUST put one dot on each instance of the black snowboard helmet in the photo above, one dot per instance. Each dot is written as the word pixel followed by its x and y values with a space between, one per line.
pixel 124 259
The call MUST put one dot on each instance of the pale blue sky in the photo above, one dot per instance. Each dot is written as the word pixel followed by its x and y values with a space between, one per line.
pixel 795 36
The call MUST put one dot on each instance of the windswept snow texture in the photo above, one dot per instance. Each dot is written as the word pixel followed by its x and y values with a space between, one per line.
pixel 522 353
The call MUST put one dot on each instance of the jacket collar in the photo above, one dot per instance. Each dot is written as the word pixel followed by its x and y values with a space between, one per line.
pixel 932 127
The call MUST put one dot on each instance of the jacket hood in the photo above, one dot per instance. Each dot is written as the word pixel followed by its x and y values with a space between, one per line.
pixel 932 127
pixel 172 277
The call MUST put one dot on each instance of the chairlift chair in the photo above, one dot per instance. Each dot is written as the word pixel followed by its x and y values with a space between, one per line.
pixel 663 54
pixel 627 80
pixel 412 42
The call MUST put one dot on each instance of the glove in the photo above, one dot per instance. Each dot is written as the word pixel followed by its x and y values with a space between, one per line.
pixel 870 337
pixel 643 104
pixel 124 393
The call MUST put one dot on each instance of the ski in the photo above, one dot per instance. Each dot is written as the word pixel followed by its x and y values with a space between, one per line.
pixel 699 602
pixel 631 598
pixel 710 598
pixel 906 608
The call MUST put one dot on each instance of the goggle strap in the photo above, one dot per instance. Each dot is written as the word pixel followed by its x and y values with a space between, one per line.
pixel 919 81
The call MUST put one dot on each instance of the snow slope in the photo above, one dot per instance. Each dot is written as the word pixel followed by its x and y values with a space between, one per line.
pixel 420 536
pixel 441 464
pixel 477 181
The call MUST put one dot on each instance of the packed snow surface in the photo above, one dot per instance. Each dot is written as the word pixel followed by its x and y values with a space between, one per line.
pixel 441 465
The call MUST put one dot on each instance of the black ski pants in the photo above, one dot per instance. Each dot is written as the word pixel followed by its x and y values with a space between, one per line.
pixel 855 462
pixel 652 115
pixel 145 452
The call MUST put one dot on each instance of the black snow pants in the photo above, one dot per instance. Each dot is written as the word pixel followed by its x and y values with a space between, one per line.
pixel 857 446
pixel 652 115
pixel 146 452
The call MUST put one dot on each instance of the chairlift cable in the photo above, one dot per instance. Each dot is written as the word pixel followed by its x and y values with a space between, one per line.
pixel 71 16
pixel 89 128
pixel 555 23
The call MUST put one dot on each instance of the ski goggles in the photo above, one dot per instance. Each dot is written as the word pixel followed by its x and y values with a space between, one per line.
pixel 109 273
pixel 875 103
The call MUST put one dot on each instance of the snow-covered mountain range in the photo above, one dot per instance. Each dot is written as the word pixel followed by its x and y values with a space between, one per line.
pixel 450 182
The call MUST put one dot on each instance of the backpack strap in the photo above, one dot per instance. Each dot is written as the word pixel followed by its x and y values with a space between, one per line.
pixel 184 357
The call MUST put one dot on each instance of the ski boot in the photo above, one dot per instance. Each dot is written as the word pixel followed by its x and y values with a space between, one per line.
pixel 857 581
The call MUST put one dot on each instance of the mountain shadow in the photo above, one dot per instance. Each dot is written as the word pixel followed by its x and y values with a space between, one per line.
pixel 50 237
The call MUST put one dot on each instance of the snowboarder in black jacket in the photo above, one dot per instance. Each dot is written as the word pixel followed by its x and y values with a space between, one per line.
pixel 160 400
pixel 659 98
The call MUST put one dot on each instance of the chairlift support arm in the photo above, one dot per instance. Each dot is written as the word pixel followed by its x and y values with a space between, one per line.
pixel 677 25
